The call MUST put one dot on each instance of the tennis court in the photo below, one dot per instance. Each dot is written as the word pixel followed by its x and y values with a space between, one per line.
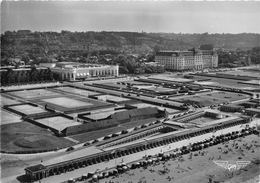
pixel 71 103
pixel 7 101
pixel 76 91
pixel 38 93
pixel 27 109
pixel 7 118
pixel 66 102
pixel 112 98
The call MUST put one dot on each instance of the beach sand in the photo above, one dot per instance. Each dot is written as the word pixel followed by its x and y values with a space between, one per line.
pixel 201 168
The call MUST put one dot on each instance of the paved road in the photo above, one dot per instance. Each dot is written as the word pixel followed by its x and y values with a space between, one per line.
pixel 132 157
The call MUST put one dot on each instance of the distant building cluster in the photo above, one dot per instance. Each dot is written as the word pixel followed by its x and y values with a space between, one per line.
pixel 187 60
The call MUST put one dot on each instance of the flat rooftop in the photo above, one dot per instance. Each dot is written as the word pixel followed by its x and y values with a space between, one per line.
pixel 77 65
pixel 112 98
pixel 58 123
pixel 28 109
pixel 143 105
pixel 253 109
pixel 102 115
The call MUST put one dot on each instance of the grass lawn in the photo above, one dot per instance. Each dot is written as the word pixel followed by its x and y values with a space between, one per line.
pixel 24 136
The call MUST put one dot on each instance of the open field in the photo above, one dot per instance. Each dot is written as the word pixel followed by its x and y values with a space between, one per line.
pixel 27 109
pixel 243 73
pixel 24 136
pixel 222 82
pixel 76 91
pixel 201 168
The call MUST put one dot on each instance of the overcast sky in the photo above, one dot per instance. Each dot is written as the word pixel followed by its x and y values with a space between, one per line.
pixel 153 16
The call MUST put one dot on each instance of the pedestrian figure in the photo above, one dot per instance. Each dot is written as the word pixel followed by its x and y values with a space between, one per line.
pixel 210 180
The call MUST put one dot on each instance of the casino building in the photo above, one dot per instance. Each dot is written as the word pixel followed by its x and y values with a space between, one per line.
pixel 184 60
pixel 74 70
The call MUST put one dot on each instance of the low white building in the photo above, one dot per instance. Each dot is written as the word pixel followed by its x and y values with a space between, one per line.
pixel 74 70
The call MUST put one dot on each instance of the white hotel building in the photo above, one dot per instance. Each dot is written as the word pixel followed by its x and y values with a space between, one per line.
pixel 184 60
pixel 73 70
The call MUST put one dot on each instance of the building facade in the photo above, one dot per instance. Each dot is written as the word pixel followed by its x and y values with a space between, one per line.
pixel 187 60
pixel 231 108
pixel 74 71
pixel 253 112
